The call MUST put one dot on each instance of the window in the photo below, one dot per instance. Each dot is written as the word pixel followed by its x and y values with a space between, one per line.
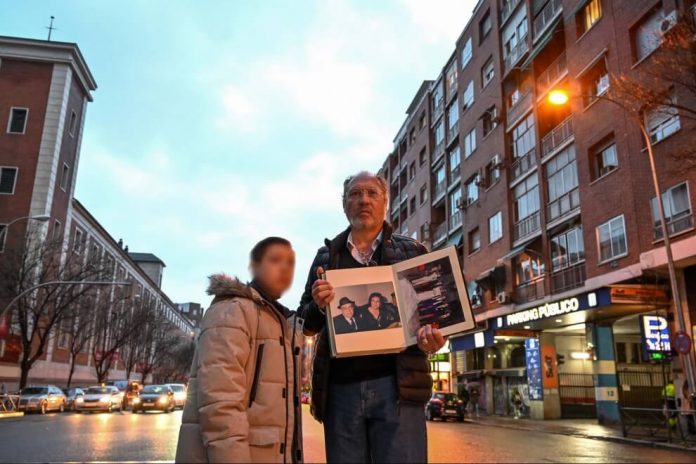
pixel 423 193
pixel 605 157
pixel 57 228
pixel 439 133
pixel 474 240
pixel 455 163
pixel 471 189
pixel 65 177
pixel 677 208
pixel 523 137
pixel 470 143
pixel 412 170
pixel 595 82
pixel 529 267
pixel 485 26
pixel 646 34
pixel 562 178
pixel 487 72
pixel 73 123
pixel 611 239
pixel 495 227
pixel 422 157
pixel 567 249
pixel 3 237
pixel 453 115
pixel 588 16
pixel 18 120
pixel 412 205
pixel 527 203
pixel 437 98
pixel 663 122
pixel 451 78
pixel 8 180
pixel 466 52
pixel 468 96
pixel 412 136
pixel 78 241
pixel 422 121
pixel 490 120
pixel 454 205
pixel 492 171
pixel 440 175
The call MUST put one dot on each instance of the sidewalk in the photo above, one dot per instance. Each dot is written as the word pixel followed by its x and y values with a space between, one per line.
pixel 7 415
pixel 582 428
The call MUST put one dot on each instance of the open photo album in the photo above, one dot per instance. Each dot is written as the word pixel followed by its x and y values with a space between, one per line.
pixel 379 309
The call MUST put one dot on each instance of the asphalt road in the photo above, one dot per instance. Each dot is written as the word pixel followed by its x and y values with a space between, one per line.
pixel 152 437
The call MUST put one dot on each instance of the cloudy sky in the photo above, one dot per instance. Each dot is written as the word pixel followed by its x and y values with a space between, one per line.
pixel 217 123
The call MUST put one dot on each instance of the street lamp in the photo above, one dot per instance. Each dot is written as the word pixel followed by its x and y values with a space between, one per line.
pixel 38 217
pixel 560 97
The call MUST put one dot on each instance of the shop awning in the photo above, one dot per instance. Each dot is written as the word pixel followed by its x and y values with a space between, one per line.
pixel 545 39
pixel 455 239
pixel 468 341
pixel 495 274
pixel 516 251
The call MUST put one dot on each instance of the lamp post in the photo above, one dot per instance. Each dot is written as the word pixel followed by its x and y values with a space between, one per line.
pixel 559 97
pixel 38 217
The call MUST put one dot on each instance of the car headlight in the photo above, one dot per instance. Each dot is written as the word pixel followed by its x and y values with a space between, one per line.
pixel 136 400
pixel 180 395
pixel 104 399
pixel 79 399
pixel 162 399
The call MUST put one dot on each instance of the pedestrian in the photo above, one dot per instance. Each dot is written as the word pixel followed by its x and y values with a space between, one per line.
pixel 474 395
pixel 463 395
pixel 516 400
pixel 670 404
pixel 371 406
pixel 243 401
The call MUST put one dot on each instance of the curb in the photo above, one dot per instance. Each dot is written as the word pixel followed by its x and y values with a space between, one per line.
pixel 8 415
pixel 615 439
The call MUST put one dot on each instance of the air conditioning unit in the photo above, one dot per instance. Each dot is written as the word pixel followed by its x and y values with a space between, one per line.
pixel 503 298
pixel 668 22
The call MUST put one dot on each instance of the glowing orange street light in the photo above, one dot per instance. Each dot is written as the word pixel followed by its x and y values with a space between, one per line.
pixel 558 97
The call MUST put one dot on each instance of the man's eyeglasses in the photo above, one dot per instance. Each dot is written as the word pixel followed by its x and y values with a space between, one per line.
pixel 356 194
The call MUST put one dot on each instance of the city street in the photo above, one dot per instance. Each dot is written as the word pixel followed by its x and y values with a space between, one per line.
pixel 152 437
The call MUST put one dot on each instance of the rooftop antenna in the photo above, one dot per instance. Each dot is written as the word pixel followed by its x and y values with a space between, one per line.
pixel 50 28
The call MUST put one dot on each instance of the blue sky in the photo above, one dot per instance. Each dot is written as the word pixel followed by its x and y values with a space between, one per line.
pixel 217 123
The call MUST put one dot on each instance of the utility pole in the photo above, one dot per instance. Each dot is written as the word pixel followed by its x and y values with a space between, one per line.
pixel 50 28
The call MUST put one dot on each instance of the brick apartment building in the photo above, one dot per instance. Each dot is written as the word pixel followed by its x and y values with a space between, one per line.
pixel 44 91
pixel 551 207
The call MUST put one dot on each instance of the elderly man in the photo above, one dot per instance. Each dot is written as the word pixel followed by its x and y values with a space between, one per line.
pixel 371 406
pixel 345 322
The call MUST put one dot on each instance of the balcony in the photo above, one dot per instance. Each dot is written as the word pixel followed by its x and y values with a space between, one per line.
pixel 438 106
pixel 438 152
pixel 552 74
pixel 440 188
pixel 675 225
pixel 394 200
pixel 452 132
pixel 546 16
pixel 516 53
pixel 440 233
pixel 455 220
pixel 520 107
pixel 558 135
pixel 523 164
pixel 529 291
pixel 563 205
pixel 568 278
pixel 507 9
pixel 527 226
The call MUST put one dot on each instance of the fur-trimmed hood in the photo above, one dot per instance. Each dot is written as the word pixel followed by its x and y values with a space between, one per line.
pixel 223 285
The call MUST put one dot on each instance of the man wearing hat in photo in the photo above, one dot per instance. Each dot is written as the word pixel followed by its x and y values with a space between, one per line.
pixel 345 322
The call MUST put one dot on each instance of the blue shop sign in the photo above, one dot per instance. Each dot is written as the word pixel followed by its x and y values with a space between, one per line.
pixel 534 379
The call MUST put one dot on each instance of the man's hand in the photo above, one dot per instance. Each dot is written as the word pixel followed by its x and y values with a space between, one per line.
pixel 322 291
pixel 430 340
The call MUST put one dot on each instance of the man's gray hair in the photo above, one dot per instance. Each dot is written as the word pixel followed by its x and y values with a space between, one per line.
pixel 381 181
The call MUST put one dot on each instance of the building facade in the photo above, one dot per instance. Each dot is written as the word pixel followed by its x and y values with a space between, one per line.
pixel 44 91
pixel 552 207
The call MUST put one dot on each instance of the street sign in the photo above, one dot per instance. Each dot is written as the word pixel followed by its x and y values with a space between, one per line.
pixel 682 342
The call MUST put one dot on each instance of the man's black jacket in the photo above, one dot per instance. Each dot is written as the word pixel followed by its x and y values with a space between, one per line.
pixel 412 369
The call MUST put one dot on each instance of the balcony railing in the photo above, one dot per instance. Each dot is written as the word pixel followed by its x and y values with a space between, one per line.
pixel 438 151
pixel 547 14
pixel 529 291
pixel 552 74
pixel 440 233
pixel 675 225
pixel 527 226
pixel 395 203
pixel 440 189
pixel 563 205
pixel 557 136
pixel 519 108
pixel 568 278
pixel 523 164
pixel 455 220
pixel 516 53
pixel 438 107
pixel 452 132
pixel 507 9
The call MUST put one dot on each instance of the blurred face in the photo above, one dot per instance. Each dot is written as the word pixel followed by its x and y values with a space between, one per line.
pixel 276 269
pixel 375 302
pixel 348 310
pixel 365 204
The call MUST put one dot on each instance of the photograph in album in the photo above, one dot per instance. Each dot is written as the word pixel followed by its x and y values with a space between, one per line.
pixel 379 309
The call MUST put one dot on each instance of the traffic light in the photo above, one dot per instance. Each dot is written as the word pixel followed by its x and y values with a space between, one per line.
pixel 560 359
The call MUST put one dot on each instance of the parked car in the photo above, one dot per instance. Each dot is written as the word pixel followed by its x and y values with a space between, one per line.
pixel 179 390
pixel 443 405
pixel 100 398
pixel 155 398
pixel 71 395
pixel 41 399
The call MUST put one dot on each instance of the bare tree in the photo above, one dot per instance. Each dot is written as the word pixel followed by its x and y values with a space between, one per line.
pixel 78 328
pixel 176 364
pixel 38 313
